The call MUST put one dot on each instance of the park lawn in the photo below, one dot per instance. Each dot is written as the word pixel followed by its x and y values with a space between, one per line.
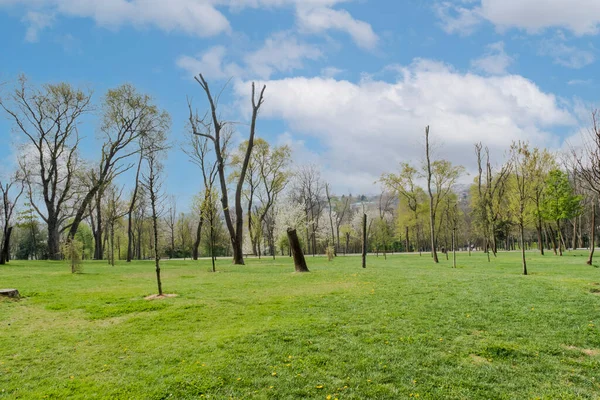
pixel 402 328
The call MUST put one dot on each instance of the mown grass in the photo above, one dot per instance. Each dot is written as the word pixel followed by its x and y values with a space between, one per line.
pixel 402 328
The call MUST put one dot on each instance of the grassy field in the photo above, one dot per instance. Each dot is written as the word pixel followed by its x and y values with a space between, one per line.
pixel 402 328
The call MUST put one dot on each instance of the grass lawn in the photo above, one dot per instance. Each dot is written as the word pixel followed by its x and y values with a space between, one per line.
pixel 402 328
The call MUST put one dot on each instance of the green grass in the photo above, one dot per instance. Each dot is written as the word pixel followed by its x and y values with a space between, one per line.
pixel 402 328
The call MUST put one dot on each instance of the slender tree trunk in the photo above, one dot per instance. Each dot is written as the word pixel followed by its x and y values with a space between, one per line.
pixel 560 239
pixel 299 260
pixel 156 255
pixel 454 247
pixel 538 227
pixel 592 234
pixel 364 242
pixel 196 245
pixel 522 231
pixel 407 241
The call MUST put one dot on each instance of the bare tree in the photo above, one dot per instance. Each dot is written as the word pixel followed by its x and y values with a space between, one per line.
pixel 587 167
pixel 8 206
pixel 152 182
pixel 48 117
pixel 432 209
pixel 115 210
pixel 171 222
pixel 198 152
pixel 213 133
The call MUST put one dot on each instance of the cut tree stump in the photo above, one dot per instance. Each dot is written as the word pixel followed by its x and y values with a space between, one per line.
pixel 13 293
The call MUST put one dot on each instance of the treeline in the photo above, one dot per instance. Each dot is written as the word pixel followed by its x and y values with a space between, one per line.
pixel 113 207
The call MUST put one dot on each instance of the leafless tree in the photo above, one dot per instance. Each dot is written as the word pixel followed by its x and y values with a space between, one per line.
pixel 213 133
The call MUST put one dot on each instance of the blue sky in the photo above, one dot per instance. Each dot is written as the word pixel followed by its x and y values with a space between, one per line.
pixel 351 84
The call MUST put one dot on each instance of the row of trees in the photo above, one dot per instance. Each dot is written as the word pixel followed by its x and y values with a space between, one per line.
pixel 248 197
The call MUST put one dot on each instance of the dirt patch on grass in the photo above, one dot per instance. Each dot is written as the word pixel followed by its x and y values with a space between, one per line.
pixel 160 296
pixel 589 352
pixel 478 360
pixel 595 290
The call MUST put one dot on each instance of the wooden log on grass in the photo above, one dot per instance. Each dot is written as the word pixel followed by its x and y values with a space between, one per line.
pixel 12 293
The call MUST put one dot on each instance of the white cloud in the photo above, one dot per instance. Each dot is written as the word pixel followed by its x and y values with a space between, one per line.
pixel 36 22
pixel 457 19
pixel 366 128
pixel 565 55
pixel 331 72
pixel 582 17
pixel 193 17
pixel 282 52
pixel 321 19
pixel 573 82
pixel 495 61
pixel 210 64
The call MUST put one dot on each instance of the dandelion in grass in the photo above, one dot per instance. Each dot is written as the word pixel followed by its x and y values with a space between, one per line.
pixel 319 386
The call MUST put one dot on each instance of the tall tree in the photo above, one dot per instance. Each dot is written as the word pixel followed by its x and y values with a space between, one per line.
pixel 128 117
pixel 197 149
pixel 521 194
pixel 152 182
pixel 213 133
pixel 48 117
pixel 8 206
pixel 559 201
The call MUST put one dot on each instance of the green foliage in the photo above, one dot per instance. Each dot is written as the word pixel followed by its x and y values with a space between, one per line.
pixel 72 250
pixel 559 199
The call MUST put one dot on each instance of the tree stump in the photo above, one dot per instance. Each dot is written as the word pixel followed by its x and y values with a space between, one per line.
pixel 12 293
pixel 299 261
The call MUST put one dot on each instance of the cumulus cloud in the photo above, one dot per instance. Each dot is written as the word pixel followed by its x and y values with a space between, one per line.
pixel 582 17
pixel 495 61
pixel 202 18
pixel 281 52
pixel 366 128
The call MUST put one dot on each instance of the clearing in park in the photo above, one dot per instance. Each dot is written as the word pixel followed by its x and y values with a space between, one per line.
pixel 401 328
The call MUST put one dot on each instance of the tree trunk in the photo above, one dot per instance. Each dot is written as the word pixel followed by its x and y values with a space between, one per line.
pixel 560 239
pixel 364 242
pixel 299 261
pixel 196 245
pixel 538 227
pixel 53 240
pixel 5 251
pixel 454 247
pixel 522 229
pixel 592 234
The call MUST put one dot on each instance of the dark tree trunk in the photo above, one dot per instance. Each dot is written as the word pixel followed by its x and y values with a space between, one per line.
pixel 521 228
pixel 299 261
pixel 5 251
pixel 364 242
pixel 538 227
pixel 196 246
pixel 53 240
pixel 592 234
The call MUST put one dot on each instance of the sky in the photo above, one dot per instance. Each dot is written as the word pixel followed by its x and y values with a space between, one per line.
pixel 351 85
